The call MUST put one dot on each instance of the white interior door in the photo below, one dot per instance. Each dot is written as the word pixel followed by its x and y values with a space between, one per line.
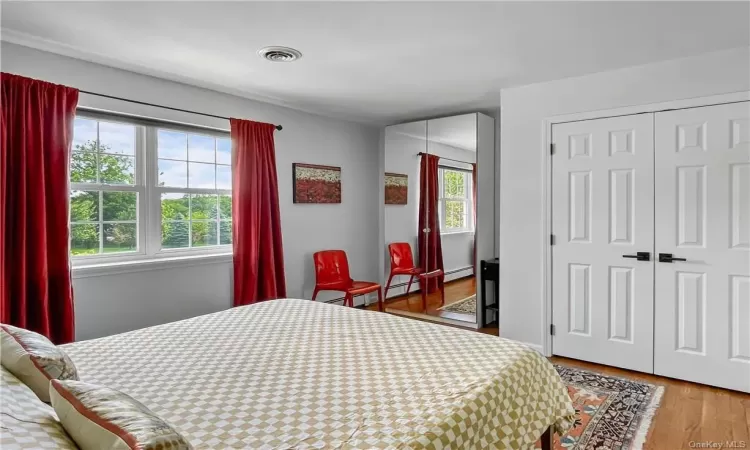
pixel 603 211
pixel 702 304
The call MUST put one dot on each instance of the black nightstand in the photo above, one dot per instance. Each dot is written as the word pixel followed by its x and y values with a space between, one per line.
pixel 489 270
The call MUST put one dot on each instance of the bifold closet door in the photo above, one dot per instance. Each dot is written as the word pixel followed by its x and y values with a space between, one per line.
pixel 603 216
pixel 702 292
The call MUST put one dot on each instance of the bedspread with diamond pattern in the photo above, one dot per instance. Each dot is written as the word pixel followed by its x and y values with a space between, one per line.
pixel 293 373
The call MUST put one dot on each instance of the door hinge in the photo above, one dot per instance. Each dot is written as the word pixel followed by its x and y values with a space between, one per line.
pixel 552 329
pixel 552 149
pixel 551 239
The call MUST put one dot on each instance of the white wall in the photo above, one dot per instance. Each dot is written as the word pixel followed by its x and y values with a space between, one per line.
pixel 522 149
pixel 114 303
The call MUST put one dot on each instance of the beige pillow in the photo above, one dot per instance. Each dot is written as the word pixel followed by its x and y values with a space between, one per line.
pixel 98 417
pixel 33 359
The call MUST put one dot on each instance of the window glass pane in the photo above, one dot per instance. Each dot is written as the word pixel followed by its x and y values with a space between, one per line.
pixel 83 167
pixel 454 214
pixel 84 134
pixel 84 206
pixel 225 232
pixel 115 169
pixel 84 239
pixel 202 176
pixel 120 237
pixel 119 206
pixel 175 207
pixel 224 151
pixel 175 229
pixel 223 177
pixel 172 145
pixel 204 233
pixel 453 183
pixel 225 206
pixel 116 138
pixel 201 148
pixel 172 173
pixel 203 206
pixel 175 234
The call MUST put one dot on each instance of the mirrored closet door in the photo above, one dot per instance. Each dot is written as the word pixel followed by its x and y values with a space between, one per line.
pixel 431 216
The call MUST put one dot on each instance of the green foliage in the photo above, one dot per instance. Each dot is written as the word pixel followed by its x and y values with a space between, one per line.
pixel 176 212
pixel 91 164
pixel 111 169
pixel 454 184
pixel 454 187
pixel 454 214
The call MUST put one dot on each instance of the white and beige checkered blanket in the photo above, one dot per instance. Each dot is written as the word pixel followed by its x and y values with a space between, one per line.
pixel 295 374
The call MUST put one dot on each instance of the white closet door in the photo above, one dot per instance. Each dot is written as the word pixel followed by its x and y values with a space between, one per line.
pixel 603 210
pixel 702 304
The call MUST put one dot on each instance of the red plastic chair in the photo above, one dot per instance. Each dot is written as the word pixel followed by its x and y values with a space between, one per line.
pixel 332 274
pixel 402 263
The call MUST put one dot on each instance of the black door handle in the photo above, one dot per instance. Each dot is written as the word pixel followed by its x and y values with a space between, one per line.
pixel 640 256
pixel 668 258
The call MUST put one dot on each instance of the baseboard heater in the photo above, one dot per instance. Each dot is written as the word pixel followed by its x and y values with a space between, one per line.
pixel 416 282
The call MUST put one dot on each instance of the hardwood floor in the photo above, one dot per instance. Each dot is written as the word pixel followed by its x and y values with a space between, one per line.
pixel 454 291
pixel 689 414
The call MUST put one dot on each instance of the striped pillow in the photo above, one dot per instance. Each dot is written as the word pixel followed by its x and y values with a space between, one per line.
pixel 34 360
pixel 99 417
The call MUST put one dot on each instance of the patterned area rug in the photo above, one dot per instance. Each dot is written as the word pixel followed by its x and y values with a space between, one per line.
pixel 611 413
pixel 465 306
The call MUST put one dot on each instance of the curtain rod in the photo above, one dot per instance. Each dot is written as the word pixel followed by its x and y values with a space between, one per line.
pixel 278 127
pixel 449 159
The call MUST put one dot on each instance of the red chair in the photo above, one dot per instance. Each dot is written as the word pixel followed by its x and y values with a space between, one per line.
pixel 402 263
pixel 332 274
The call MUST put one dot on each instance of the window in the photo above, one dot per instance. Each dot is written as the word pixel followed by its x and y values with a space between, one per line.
pixel 455 203
pixel 141 189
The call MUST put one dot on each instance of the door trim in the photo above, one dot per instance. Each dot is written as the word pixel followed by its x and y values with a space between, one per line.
pixel 547 124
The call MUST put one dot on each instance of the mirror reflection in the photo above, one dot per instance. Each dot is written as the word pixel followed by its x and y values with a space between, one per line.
pixel 431 219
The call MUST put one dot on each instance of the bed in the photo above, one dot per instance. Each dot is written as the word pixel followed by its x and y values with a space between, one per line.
pixel 299 374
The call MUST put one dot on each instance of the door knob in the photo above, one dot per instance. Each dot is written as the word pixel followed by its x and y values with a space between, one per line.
pixel 668 258
pixel 640 256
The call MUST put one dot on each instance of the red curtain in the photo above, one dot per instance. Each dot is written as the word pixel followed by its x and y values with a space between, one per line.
pixel 430 249
pixel 256 221
pixel 36 132
pixel 474 210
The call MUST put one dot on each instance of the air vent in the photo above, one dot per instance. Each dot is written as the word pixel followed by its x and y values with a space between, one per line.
pixel 280 54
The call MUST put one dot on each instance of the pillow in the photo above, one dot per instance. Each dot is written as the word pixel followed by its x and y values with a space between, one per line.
pixel 27 422
pixel 98 417
pixel 33 359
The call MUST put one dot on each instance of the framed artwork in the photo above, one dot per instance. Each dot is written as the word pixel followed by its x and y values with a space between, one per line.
pixel 396 188
pixel 316 184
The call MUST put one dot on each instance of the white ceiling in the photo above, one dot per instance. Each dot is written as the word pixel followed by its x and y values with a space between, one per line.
pixel 376 62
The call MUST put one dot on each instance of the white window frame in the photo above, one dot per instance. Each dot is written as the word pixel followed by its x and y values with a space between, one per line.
pixel 149 194
pixel 467 200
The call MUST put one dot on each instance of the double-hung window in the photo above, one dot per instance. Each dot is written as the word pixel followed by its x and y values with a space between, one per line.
pixel 141 189
pixel 455 204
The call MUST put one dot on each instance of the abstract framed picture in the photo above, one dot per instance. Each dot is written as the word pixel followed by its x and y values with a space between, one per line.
pixel 396 188
pixel 316 184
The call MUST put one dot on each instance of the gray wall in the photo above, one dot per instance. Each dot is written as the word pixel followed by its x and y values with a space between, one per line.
pixel 522 150
pixel 114 303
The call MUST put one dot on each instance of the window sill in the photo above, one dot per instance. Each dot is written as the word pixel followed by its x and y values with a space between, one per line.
pixel 143 265
pixel 447 233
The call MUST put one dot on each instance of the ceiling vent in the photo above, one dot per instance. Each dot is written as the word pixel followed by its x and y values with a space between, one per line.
pixel 280 54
